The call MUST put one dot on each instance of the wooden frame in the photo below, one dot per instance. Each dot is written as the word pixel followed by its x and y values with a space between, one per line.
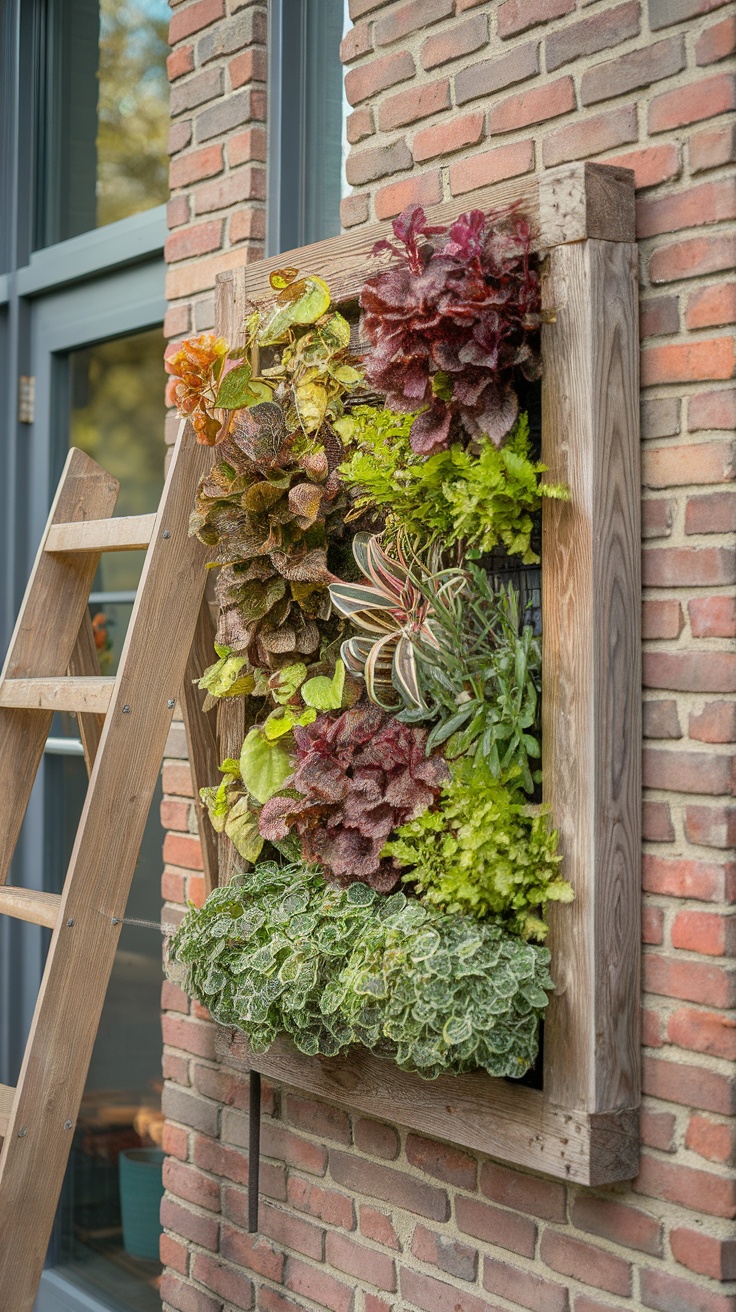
pixel 583 1125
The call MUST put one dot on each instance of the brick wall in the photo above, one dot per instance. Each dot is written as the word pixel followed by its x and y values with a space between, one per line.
pixel 447 96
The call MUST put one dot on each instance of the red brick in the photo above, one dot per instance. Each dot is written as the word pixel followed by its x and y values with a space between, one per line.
pixel 689 104
pixel 535 106
pixel 176 324
pixel 177 212
pixel 376 162
pixel 195 890
pixel 590 35
pixel 409 106
pixel 712 306
pixel 365 82
pixel 390 1185
pixel 358 8
pixel 707 932
pixel 191 1185
pixel 692 258
pixel 652 1030
pixel 318 1118
pixel 715 723
pixel 703 1253
pixel 712 826
pixel 175 814
pixel 248 225
pixel 246 147
pixel 291 1231
pixel 175 1141
pixel 708 202
pixel 702 1031
pixel 202 1229
pixel 192 19
pixel 713 410
pixel 690 671
pixel 491 75
pixel 318 1285
pixel 254 1252
pixel 491 166
pixel 356 42
pixel 223 1280
pixel 662 619
pixel 591 136
pixel 652 925
pixel 688 362
pixel 713 617
pixel 531 1291
pixel 195 165
pixel 444 1252
pixel 270 1300
pixel 699 1191
pixel 192 1035
pixel 174 1254
pixel 359 125
pixel 691 1086
pixel 187 242
pixel 657 1129
pixel 279 1143
pixel 327 1205
pixel 677 466
pixel 442 1161
pixel 179 62
pixel 712 148
pixel 174 998
pixel 436 1296
pixel 444 138
pixel 714 1140
pixel 227 1163
pixel 713 513
pixel 667 1293
pixel 585 1304
pixel 423 189
pixel 716 42
pixel 239 185
pixel 519 15
pixel 663 13
pixel 526 1193
pixel 377 1226
pixel 495 1225
pixel 661 719
pixel 375 1138
pixel 353 210
pixel 172 886
pixel 660 416
pixel 184 1297
pixel 411 17
pixel 656 517
pixel 683 877
pixel 177 778
pixel 250 66
pixel 638 68
pixel 657 822
pixel 693 981
pixel 583 1261
pixel 180 136
pixel 365 1264
pixel 659 316
pixel 673 567
pixel 652 165
pixel 375 1304
pixel 461 39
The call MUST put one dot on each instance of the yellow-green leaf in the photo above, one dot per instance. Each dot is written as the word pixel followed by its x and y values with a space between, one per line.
pixel 325 694
pixel 264 765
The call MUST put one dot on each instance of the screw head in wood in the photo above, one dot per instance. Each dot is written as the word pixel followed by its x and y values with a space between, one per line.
pixel 126 710
pixel 22 1134
pixel 166 533
pixel 171 703
pixel 67 1125
pixel 70 922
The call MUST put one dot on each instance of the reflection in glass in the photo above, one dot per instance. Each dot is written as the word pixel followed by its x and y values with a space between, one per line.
pixel 103 116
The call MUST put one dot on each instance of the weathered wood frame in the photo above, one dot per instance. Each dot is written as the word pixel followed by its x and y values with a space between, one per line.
pixel 583 1125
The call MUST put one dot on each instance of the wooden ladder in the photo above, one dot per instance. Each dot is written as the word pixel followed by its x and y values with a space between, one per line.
pixel 52 666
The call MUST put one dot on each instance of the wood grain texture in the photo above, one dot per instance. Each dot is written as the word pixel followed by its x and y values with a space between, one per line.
pixel 591 599
pixel 103 859
pixel 6 1102
pixel 44 637
pixel 86 693
pixel 580 201
pixel 201 731
pixel 85 662
pixel 31 905
pixel 508 1121
pixel 126 533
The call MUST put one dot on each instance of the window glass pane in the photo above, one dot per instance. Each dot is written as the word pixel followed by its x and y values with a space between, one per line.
pixel 104 114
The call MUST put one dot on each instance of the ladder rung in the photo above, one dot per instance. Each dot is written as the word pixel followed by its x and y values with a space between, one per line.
pixel 58 694
pixel 30 904
pixel 6 1106
pixel 126 533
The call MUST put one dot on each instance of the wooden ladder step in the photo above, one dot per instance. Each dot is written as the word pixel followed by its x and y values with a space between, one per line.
pixel 30 904
pixel 125 533
pixel 6 1106
pixel 81 694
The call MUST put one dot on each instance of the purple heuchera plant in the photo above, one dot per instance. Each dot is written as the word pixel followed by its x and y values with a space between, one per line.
pixel 360 775
pixel 450 324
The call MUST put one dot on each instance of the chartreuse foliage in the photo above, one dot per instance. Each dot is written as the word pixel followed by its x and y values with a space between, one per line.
pixel 279 951
pixel 483 500
pixel 483 852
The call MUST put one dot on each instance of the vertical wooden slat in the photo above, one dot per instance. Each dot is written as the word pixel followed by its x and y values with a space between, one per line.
pixel 44 637
pixel 591 671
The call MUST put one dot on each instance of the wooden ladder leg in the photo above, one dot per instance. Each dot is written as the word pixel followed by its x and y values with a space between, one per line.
pixel 152 665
